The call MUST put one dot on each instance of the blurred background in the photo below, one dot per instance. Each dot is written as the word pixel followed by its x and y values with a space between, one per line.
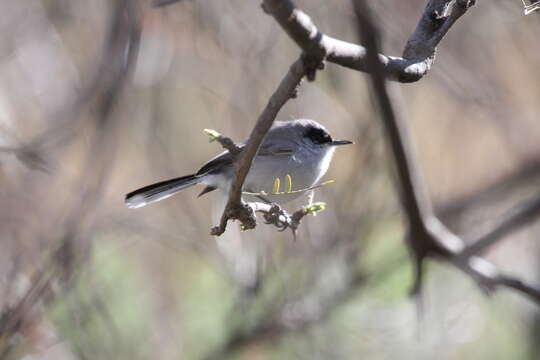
pixel 100 97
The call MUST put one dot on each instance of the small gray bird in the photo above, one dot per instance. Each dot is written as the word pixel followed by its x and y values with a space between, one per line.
pixel 299 148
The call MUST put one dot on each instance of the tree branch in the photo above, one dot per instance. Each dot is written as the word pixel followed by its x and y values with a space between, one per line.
pixel 162 3
pixel 427 236
pixel 122 40
pixel 275 215
pixel 523 215
pixel 236 209
pixel 418 55
pixel 526 175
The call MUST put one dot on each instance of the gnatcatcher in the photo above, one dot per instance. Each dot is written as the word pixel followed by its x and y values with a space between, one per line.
pixel 299 148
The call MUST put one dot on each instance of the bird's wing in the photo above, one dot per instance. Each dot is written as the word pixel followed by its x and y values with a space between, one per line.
pixel 271 149
pixel 216 163
pixel 225 158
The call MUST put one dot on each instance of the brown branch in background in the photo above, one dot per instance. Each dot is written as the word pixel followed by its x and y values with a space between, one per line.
pixel 65 120
pixel 437 18
pixel 524 214
pixel 527 174
pixel 427 236
pixel 107 71
pixel 57 268
pixel 274 327
pixel 235 208
pixel 161 3
pixel 125 35
pixel 414 197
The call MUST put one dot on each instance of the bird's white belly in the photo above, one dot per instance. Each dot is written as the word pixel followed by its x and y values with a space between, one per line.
pixel 304 174
pixel 305 171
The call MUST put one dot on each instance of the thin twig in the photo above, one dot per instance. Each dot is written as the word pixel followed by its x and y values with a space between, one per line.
pixel 527 174
pixel 163 3
pixel 275 215
pixel 523 215
pixel 236 208
pixel 123 39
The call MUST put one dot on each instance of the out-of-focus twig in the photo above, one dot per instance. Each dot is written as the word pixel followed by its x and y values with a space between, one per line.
pixel 65 120
pixel 524 214
pixel 57 266
pixel 518 216
pixel 528 173
pixel 162 3
pixel 413 194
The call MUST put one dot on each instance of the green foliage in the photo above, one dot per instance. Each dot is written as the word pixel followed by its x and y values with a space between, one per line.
pixel 107 312
pixel 313 208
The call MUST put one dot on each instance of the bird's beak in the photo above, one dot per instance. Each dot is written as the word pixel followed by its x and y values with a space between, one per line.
pixel 341 142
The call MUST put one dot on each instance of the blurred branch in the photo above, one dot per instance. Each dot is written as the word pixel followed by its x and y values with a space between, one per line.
pixel 124 42
pixel 526 175
pixel 108 72
pixel 427 236
pixel 418 55
pixel 414 198
pixel 115 63
pixel 57 267
pixel 525 213
pixel 162 3
pixel 275 325
pixel 280 320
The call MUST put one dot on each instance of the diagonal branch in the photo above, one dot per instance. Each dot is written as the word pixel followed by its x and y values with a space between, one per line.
pixel 235 208
pixel 523 215
pixel 527 174
pixel 418 55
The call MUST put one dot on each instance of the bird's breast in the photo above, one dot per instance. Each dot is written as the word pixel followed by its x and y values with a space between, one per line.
pixel 304 168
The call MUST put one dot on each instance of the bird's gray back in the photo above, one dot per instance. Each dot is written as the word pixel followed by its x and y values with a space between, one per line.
pixel 284 151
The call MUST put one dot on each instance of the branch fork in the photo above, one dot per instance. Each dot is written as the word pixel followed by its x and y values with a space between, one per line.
pixel 274 214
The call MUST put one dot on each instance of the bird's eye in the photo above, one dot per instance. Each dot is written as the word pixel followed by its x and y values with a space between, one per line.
pixel 318 136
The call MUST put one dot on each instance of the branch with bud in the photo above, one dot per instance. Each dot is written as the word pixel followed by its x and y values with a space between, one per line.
pixel 272 213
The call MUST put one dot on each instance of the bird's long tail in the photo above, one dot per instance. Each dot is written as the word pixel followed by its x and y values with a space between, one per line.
pixel 159 191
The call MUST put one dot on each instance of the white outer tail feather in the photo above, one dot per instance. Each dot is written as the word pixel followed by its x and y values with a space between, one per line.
pixel 159 191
